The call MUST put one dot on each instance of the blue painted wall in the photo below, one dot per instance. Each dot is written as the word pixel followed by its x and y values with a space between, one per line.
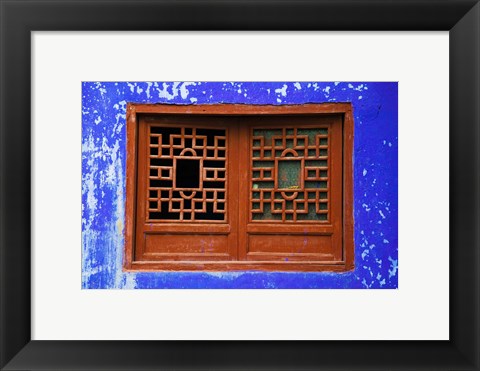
pixel 375 180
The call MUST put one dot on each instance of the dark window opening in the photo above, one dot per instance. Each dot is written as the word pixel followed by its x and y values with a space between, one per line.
pixel 187 173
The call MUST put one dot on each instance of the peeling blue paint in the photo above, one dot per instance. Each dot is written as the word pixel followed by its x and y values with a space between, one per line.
pixel 375 107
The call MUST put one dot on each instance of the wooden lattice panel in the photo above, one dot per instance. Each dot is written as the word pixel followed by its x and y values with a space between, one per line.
pixel 290 174
pixel 239 187
pixel 187 174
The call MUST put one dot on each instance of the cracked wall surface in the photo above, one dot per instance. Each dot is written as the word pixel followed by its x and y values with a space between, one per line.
pixel 375 109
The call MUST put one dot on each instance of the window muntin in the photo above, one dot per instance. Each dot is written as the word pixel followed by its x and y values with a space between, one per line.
pixel 225 169
pixel 290 167
pixel 187 174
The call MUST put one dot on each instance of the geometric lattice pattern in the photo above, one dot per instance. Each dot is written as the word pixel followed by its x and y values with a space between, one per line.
pixel 290 168
pixel 187 178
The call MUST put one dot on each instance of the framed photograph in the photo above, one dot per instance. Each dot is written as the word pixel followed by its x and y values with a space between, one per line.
pixel 245 177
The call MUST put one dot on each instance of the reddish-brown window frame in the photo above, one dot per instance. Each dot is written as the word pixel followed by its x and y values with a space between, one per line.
pixel 343 263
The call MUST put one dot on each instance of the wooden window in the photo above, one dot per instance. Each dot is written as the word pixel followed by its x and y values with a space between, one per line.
pixel 239 187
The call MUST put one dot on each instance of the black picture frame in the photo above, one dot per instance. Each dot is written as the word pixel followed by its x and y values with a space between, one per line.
pixel 18 18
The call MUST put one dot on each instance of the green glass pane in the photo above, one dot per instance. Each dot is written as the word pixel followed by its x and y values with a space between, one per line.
pixel 267 214
pixel 263 164
pixel 312 214
pixel 263 185
pixel 301 142
pixel 311 133
pixel 315 163
pixel 267 135
pixel 289 174
pixel 314 184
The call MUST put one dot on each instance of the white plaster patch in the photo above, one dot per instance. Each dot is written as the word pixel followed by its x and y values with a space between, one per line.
pixel 120 117
pixel 89 187
pixel 101 89
pixel 364 283
pixel 123 105
pixel 149 85
pixel 163 93
pixel 130 281
pixel 365 253
pixel 365 206
pixel 120 224
pixel 394 267
pixel 131 86
pixel 183 89
pixel 88 239
pixel 225 275
pixel 282 91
